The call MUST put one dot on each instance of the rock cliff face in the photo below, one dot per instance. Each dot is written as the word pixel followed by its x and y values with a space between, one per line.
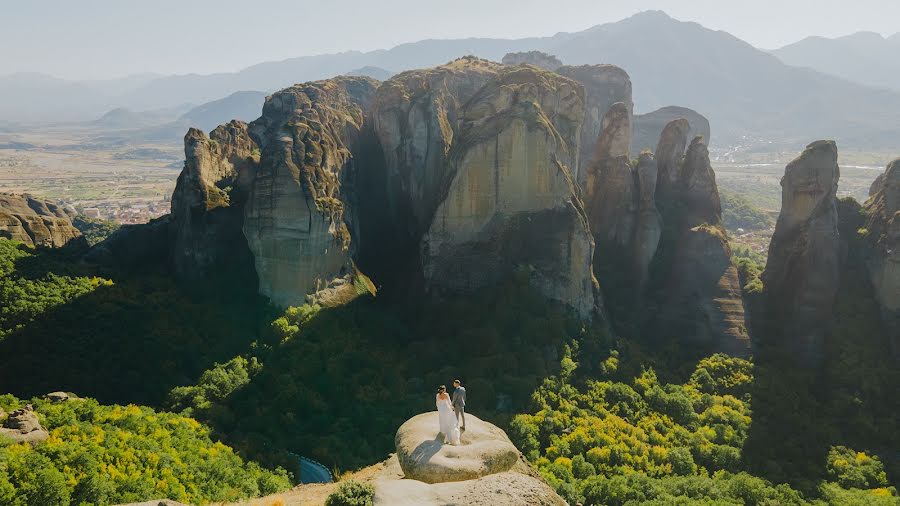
pixel 883 226
pixel 610 192
pixel 648 225
pixel 209 197
pixel 802 274
pixel 703 301
pixel 296 216
pixel 482 155
pixel 604 85
pixel 536 58
pixel 670 154
pixel 648 127
pixel 36 222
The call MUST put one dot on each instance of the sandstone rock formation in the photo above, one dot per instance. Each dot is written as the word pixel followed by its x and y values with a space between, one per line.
pixel 648 223
pixel 648 127
pixel 416 116
pixel 802 273
pixel 480 155
pixel 610 193
pixel 536 58
pixel 604 85
pixel 295 216
pixel 36 222
pixel 669 155
pixel 207 205
pixel 883 236
pixel 703 301
pixel 22 426
pixel 485 469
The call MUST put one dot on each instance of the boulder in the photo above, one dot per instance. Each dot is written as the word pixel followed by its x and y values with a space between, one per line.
pixel 295 215
pixel 22 426
pixel 802 273
pixel 485 469
pixel 604 85
pixel 37 222
pixel 649 127
pixel 537 58
pixel 423 456
pixel 208 201
pixel 883 239
pixel 57 397
pixel 503 489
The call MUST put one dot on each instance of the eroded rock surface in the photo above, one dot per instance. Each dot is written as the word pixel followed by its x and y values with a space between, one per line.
pixel 604 85
pixel 209 197
pixel 669 154
pixel 802 273
pixel 36 222
pixel 536 58
pixel 702 302
pixel 481 156
pixel 22 426
pixel 883 237
pixel 485 469
pixel 294 219
pixel 648 127
pixel 610 192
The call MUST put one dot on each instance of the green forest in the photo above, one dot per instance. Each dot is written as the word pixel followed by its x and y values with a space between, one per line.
pixel 230 387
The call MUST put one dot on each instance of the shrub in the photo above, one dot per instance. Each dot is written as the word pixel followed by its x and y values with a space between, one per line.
pixel 352 493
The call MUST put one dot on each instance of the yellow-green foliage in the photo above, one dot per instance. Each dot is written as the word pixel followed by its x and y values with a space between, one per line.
pixel 639 441
pixel 23 298
pixel 113 454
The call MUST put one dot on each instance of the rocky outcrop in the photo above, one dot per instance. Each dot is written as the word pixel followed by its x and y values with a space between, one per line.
pixel 649 127
pixel 22 426
pixel 416 117
pixel 802 273
pixel 883 238
pixel 480 155
pixel 669 155
pixel 296 216
pixel 648 224
pixel 702 301
pixel 536 58
pixel 209 197
pixel 486 468
pixel 37 223
pixel 610 193
pixel 604 85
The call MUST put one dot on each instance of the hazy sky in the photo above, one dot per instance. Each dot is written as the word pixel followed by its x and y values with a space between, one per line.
pixel 110 38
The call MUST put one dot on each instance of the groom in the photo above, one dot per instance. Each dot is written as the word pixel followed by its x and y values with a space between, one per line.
pixel 459 403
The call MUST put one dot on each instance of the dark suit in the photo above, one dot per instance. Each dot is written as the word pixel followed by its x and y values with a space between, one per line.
pixel 459 405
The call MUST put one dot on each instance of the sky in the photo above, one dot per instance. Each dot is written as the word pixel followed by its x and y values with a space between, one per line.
pixel 99 39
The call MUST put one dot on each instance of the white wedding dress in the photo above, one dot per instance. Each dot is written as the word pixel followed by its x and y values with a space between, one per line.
pixel 448 423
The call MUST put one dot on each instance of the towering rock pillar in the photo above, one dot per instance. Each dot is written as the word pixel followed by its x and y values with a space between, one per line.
pixel 604 85
pixel 703 297
pixel 295 217
pixel 802 274
pixel 670 154
pixel 209 197
pixel 883 227
pixel 610 195
pixel 482 154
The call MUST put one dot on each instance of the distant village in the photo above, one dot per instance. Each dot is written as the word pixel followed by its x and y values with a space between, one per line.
pixel 124 213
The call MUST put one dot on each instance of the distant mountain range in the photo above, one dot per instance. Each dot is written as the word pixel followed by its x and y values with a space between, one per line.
pixel 863 57
pixel 749 95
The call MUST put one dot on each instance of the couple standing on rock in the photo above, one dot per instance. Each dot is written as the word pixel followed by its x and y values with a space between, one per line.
pixel 451 412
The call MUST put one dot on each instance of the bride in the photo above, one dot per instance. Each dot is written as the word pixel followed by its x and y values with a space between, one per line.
pixel 448 423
